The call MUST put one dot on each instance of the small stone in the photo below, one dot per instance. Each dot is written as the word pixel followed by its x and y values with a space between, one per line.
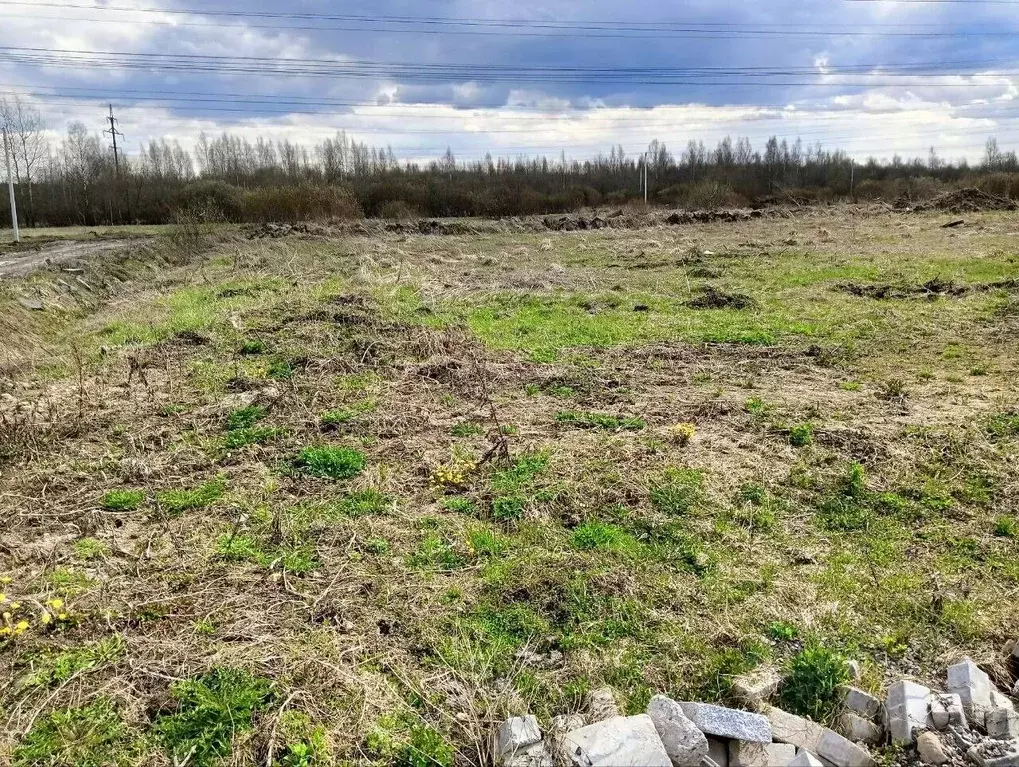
pixel 744 753
pixel 684 743
pixel 513 736
pixel 1002 723
pixel 1015 690
pixel 718 752
pixel 728 722
pixel 855 670
pixel 563 723
pixel 804 758
pixel 757 688
pixel 906 710
pixel 946 709
pixel 601 705
pixel 630 740
pixel 973 686
pixel 931 750
pixel 1000 701
pixel 986 756
pixel 862 703
pixel 860 730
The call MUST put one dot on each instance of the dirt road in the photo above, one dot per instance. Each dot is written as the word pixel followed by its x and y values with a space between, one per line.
pixel 18 263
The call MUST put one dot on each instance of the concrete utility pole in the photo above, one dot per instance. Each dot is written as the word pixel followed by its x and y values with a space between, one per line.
pixel 10 189
pixel 645 178
pixel 114 133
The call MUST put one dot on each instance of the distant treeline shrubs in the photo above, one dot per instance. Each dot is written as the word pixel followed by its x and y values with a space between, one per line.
pixel 232 179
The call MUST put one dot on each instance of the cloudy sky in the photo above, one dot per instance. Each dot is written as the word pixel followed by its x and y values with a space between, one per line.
pixel 874 77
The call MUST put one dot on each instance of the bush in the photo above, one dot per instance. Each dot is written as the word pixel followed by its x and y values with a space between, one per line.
pixel 305 202
pixel 211 200
pixel 811 687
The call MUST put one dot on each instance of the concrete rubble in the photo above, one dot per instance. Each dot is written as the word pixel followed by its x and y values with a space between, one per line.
pixel 972 723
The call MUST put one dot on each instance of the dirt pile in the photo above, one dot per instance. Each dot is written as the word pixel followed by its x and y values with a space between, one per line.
pixel 969 200
pixel 713 298
pixel 932 289
pixel 276 231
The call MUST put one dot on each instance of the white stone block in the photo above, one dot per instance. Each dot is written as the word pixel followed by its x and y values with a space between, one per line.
pixel 843 752
pixel 906 710
pixel 1003 723
pixel 804 758
pixel 789 728
pixel 973 686
pixel 946 709
pixel 728 722
pixel 756 689
pixel 744 753
pixel 862 703
pixel 860 730
pixel 630 741
pixel 684 743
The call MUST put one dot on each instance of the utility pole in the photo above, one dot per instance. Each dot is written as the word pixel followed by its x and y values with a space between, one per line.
pixel 114 133
pixel 645 178
pixel 10 189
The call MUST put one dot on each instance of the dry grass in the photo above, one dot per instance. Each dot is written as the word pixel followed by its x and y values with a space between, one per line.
pixel 397 614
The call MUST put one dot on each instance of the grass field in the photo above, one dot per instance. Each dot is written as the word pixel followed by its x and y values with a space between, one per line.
pixel 352 500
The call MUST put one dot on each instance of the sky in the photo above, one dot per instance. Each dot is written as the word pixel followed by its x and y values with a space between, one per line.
pixel 873 77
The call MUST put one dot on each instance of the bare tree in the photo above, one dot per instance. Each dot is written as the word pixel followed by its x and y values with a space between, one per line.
pixel 24 125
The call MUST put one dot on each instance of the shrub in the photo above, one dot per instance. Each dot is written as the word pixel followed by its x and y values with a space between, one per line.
pixel 212 709
pixel 218 200
pixel 811 687
pixel 331 462
pixel 304 202
pixel 801 435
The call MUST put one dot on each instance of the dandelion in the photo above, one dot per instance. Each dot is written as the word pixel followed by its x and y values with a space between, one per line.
pixel 56 604
pixel 45 618
pixel 20 628
pixel 15 606
pixel 3 598
pixel 5 579
pixel 5 631
pixel 62 617
pixel 682 433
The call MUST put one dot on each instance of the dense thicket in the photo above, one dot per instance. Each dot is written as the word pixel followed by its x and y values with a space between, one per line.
pixel 230 178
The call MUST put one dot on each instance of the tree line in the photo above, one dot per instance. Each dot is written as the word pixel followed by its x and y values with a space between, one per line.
pixel 227 177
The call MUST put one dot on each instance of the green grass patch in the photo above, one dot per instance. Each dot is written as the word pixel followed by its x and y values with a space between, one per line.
pixel 402 741
pixel 91 736
pixel 90 549
pixel 676 491
pixel 123 500
pixel 330 462
pixel 801 435
pixel 201 497
pixel 212 709
pixel 253 435
pixel 588 420
pixel 56 668
pixel 245 417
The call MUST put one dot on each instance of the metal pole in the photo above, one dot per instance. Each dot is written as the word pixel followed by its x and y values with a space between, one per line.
pixel 10 190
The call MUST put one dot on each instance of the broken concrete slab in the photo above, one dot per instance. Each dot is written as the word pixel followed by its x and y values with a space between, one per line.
pixel 756 689
pixel 931 749
pixel 817 739
pixel 728 722
pixel 842 752
pixel 743 753
pixel 906 710
pixel 1003 723
pixel 859 729
pixel 517 743
pixel 622 741
pixel 1000 701
pixel 973 686
pixel 863 703
pixel 946 709
pixel 789 728
pixel 805 759
pixel 684 743
pixel 993 754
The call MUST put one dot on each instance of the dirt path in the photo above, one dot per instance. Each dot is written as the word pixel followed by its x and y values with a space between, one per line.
pixel 18 263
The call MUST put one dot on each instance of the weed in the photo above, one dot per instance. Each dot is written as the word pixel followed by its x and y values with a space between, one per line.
pixel 365 503
pixel 280 370
pixel 54 669
pixel 203 496
pixel 801 435
pixel 436 553
pixel 893 389
pixel 252 347
pixel 331 462
pixel 254 435
pixel 587 420
pixel 245 417
pixel 123 500
pixel 1006 527
pixel 305 742
pixel 676 491
pixel 757 407
pixel 467 429
pixel 850 385
pixel 782 631
pixel 377 546
pixel 213 708
pixel 403 742
pixel 506 508
pixel 335 418
pixel 682 433
pixel 811 686
pixel 459 505
pixel 91 736
pixel 1003 425
pixel 90 548
pixel 598 535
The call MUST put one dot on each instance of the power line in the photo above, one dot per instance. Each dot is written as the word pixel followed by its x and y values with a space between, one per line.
pixel 691 31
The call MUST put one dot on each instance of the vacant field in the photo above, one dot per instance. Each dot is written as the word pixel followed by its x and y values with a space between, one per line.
pixel 348 499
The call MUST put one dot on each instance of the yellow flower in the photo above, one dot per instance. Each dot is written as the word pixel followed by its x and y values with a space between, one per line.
pixel 5 630
pixel 20 628
pixel 15 605
pixel 5 579
pixel 682 433
pixel 3 597
pixel 45 618
pixel 56 604
pixel 62 617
